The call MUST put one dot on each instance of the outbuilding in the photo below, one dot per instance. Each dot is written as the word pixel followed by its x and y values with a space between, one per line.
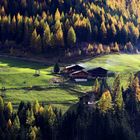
pixel 98 72
pixel 88 99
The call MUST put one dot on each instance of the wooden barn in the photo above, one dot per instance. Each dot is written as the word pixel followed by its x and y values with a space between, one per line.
pixel 98 72
pixel 81 75
pixel 72 68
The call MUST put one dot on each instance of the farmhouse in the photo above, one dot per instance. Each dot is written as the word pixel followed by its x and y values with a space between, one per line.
pixel 81 75
pixel 98 72
pixel 72 68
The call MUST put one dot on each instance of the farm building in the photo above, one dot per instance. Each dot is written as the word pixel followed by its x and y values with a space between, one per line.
pixel 98 72
pixel 81 75
pixel 72 68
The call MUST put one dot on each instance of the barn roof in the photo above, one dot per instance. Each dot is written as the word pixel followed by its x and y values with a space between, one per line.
pixel 97 68
pixel 98 72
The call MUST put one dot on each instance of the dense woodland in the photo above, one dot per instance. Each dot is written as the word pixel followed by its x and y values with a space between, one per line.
pixel 115 115
pixel 68 27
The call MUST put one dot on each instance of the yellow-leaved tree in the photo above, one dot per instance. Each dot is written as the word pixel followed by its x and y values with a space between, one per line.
pixel 105 102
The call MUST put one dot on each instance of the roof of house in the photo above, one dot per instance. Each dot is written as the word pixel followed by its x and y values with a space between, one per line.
pixel 76 72
pixel 75 66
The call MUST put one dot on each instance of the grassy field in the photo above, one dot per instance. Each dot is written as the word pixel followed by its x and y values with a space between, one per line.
pixel 124 64
pixel 14 73
pixel 60 98
pixel 116 62
pixel 17 75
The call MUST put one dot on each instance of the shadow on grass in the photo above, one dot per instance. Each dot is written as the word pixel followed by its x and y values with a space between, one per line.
pixel 12 62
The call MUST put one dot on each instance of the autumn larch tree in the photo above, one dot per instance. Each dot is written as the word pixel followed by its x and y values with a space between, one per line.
pixel 105 102
pixel 71 37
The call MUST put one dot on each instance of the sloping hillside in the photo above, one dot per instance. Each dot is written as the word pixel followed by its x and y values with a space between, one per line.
pixel 53 27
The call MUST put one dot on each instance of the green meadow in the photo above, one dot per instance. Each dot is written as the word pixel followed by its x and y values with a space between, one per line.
pixel 18 78
pixel 122 63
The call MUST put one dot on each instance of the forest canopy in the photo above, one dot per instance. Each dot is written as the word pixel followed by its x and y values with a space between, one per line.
pixel 41 25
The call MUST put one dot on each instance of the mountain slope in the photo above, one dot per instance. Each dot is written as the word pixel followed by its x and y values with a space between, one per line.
pixel 39 26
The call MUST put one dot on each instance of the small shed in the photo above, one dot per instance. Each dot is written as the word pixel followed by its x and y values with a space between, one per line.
pixel 72 68
pixel 98 72
pixel 88 99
